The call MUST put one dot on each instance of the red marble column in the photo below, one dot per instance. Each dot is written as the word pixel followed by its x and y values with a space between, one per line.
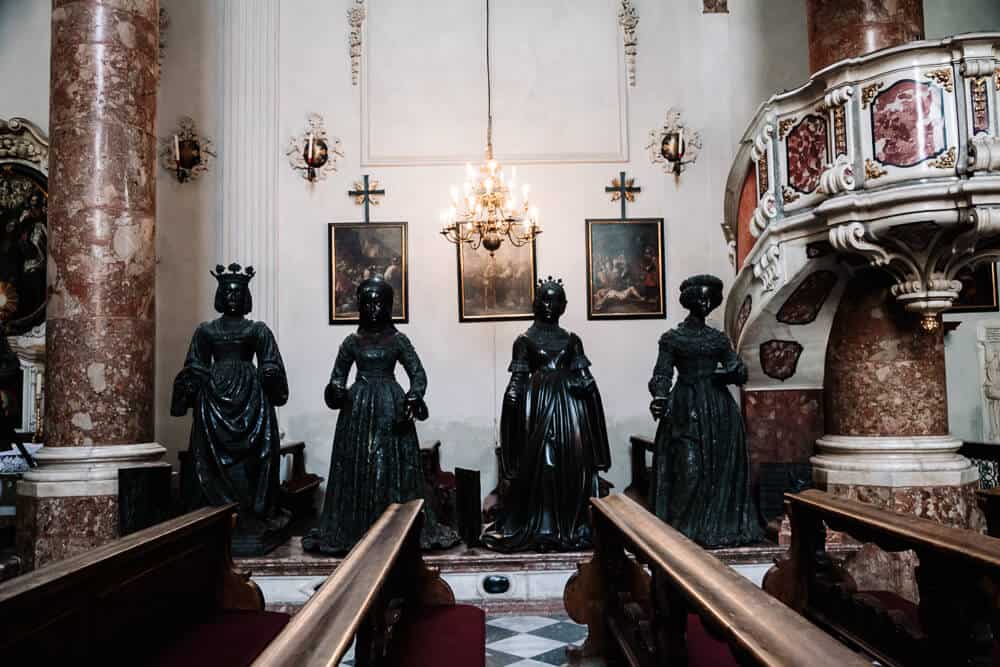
pixel 100 328
pixel 884 375
pixel 841 29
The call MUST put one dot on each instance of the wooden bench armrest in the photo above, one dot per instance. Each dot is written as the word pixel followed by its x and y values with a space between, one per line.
pixel 757 625
pixel 322 631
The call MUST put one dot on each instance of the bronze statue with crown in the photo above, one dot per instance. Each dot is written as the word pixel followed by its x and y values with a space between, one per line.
pixel 553 437
pixel 234 447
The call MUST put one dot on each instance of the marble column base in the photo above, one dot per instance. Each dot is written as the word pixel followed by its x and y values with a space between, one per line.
pixel 891 461
pixel 875 569
pixel 69 503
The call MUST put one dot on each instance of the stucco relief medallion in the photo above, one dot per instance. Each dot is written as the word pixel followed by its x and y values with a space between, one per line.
pixel 807 300
pixel 807 150
pixel 908 124
pixel 780 358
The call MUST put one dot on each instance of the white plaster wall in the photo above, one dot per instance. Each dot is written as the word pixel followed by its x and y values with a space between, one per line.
pixel 717 67
pixel 951 17
pixel 24 60
pixel 185 213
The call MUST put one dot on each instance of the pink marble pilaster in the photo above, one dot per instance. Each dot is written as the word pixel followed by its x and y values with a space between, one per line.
pixel 841 29
pixel 100 317
pixel 102 207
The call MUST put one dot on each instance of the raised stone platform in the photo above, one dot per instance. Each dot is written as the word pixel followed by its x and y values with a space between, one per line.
pixel 288 576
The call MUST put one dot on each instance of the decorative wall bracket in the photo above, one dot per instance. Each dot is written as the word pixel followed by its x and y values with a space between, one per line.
pixel 766 211
pixel 984 153
pixel 838 177
pixel 185 153
pixel 356 20
pixel 924 262
pixel 628 19
pixel 674 146
pixel 314 153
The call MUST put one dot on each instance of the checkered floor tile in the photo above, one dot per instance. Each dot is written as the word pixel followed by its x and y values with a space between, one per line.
pixel 527 641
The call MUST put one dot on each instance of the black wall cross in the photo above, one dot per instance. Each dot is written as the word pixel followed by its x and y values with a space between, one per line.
pixel 624 190
pixel 364 193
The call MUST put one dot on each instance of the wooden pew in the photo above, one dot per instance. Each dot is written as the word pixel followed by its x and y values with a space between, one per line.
pixel 642 620
pixel 400 610
pixel 958 580
pixel 638 488
pixel 165 595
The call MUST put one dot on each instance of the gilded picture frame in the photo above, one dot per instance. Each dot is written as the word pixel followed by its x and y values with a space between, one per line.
pixel 359 250
pixel 626 273
pixel 498 287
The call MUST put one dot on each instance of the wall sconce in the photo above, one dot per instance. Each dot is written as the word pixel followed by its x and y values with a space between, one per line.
pixel 314 153
pixel 185 153
pixel 674 146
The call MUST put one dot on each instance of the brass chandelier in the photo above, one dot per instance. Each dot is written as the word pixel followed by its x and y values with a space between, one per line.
pixel 487 210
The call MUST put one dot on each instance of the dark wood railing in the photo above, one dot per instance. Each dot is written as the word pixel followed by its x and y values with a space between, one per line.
pixel 643 620
pixel 957 578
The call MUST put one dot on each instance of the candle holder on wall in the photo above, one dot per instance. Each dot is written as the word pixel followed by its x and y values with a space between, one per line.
pixel 674 146
pixel 314 153
pixel 185 153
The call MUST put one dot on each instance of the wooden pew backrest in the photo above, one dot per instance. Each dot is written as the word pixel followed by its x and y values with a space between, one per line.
pixel 126 593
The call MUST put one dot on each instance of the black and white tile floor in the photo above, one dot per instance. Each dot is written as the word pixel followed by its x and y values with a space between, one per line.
pixel 528 641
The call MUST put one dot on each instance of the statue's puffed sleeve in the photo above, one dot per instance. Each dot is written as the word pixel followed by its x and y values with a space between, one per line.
pixel 734 370
pixel 336 389
pixel 581 381
pixel 197 366
pixel 415 407
pixel 663 378
pixel 271 367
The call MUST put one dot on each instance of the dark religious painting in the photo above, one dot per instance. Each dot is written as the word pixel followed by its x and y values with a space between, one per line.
pixel 358 251
pixel 808 153
pixel 908 124
pixel 625 271
pixel 23 246
pixel 807 300
pixel 979 290
pixel 500 286
pixel 780 358
pixel 716 7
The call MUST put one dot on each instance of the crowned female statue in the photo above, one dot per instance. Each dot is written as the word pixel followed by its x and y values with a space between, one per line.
pixel 553 438
pixel 376 455
pixel 234 446
pixel 701 468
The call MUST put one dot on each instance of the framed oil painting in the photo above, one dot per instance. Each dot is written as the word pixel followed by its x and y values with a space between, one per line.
pixel 360 250
pixel 496 287
pixel 23 247
pixel 625 271
pixel 979 290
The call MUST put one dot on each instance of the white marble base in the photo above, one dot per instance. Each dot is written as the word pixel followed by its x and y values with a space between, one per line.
pixel 85 471
pixel 891 461
pixel 525 586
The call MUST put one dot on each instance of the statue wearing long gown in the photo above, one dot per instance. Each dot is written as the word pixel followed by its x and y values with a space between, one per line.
pixel 701 467
pixel 553 437
pixel 234 446
pixel 376 455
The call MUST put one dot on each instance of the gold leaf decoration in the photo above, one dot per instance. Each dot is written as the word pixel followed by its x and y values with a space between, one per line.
pixel 873 169
pixel 868 93
pixel 946 161
pixel 943 77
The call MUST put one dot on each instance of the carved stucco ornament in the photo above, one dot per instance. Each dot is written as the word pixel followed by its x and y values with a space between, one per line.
pixel 298 148
pixel 628 19
pixel 767 268
pixel 925 273
pixel 356 20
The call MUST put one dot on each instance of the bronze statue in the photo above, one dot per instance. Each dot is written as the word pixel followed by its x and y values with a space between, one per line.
pixel 553 438
pixel 701 468
pixel 376 456
pixel 234 446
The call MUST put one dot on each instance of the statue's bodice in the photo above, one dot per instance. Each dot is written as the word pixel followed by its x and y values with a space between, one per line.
pixel 549 355
pixel 547 348
pixel 697 351
pixel 376 354
pixel 233 341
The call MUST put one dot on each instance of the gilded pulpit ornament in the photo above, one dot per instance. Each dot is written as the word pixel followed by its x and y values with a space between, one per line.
pixel 314 153
pixel 701 465
pixel 376 455
pixel 628 19
pixel 943 77
pixel 674 146
pixel 553 437
pixel 234 446
pixel 185 153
